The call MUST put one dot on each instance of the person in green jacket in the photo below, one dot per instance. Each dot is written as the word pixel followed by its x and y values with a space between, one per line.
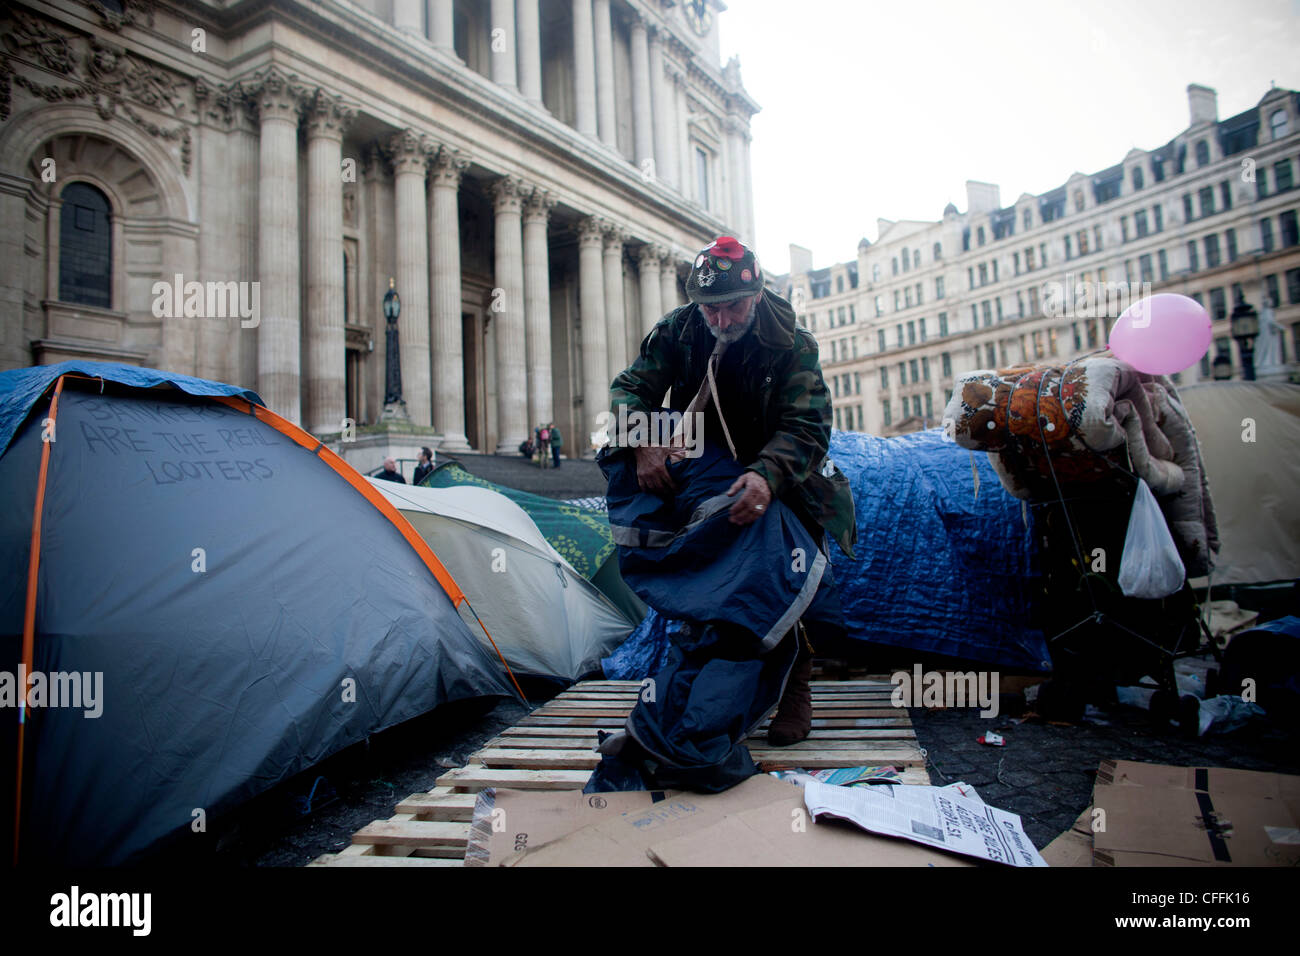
pixel 557 442
pixel 772 409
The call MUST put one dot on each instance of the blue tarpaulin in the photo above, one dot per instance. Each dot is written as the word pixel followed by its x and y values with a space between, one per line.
pixel 20 388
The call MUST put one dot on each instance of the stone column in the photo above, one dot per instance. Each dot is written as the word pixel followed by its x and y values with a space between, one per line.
pixel 652 308
pixel 615 319
pixel 503 60
pixel 605 73
pixel 406 17
pixel 442 25
pixel 410 157
pixel 278 367
pixel 584 68
pixel 537 306
pixel 669 297
pixel 508 317
pixel 591 312
pixel 327 119
pixel 662 111
pixel 448 346
pixel 685 161
pixel 642 115
pixel 530 50
pixel 747 193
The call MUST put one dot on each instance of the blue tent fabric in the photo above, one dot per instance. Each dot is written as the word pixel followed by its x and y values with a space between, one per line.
pixel 739 590
pixel 21 388
pixel 644 651
pixel 940 569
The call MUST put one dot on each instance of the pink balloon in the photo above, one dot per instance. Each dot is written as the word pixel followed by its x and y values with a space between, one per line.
pixel 1162 334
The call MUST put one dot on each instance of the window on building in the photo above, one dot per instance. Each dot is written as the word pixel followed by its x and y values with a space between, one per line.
pixel 1029 259
pixel 938 250
pixel 884 376
pixel 1261 182
pixel 911 333
pixel 1230 237
pixel 943 324
pixel 880 340
pixel 1287 225
pixel 1128 270
pixel 974 316
pixel 839 283
pixel 979 235
pixel 1188 214
pixel 841 315
pixel 912 368
pixel 1033 300
pixel 998 300
pixel 925 368
pixel 1078 200
pixel 1218 304
pixel 984 273
pixel 1271 295
pixel 902 373
pixel 1282 176
pixel 702 177
pixel 1144 268
pixel 1158 212
pixel 991 355
pixel 1206 195
pixel 1158 168
pixel 970 276
pixel 1266 235
pixel 929 405
pixel 880 306
pixel 1123 229
pixel 918 293
pixel 916 258
pixel 1042 254
pixel 907 261
pixel 894 263
pixel 1140 223
pixel 1193 258
pixel 884 408
pixel 921 323
pixel 898 300
pixel 1212 257
pixel 1015 262
pixel 1069 254
pixel 85 247
pixel 916 405
pixel 1138 179
pixel 1029 219
pixel 1083 242
pixel 907 297
pixel 1277 124
pixel 1202 153
pixel 988 313
pixel 1078 338
pixel 900 335
pixel 945 365
pixel 938 287
pixel 1225 195
pixel 1163 261
pixel 1293 286
pixel 853 315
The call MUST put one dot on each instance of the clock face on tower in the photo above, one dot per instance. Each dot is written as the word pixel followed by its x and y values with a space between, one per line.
pixel 699 16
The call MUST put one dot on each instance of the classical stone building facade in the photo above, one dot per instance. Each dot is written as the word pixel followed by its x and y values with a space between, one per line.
pixel 225 188
pixel 1210 214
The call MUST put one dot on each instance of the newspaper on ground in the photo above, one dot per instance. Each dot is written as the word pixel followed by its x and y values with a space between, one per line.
pixel 935 816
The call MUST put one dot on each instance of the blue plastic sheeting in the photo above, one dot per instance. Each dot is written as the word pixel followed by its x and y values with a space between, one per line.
pixel 939 570
pixel 20 388
pixel 645 651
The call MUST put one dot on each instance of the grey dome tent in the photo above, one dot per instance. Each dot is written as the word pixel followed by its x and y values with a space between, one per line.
pixel 545 618
pixel 231 602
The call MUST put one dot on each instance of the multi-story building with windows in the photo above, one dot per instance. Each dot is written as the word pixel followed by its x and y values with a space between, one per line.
pixel 533 175
pixel 1211 214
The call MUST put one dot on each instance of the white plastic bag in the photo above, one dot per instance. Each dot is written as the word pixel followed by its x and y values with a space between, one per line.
pixel 1150 567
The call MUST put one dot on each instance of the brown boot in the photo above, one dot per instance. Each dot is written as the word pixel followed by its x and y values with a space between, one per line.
pixel 793 720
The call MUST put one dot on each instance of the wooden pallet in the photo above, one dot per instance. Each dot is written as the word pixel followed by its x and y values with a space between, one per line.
pixel 854 725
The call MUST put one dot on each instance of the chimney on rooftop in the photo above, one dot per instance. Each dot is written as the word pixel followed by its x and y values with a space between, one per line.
pixel 1202 104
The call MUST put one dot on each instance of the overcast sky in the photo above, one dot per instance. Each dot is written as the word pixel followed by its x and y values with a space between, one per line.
pixel 874 109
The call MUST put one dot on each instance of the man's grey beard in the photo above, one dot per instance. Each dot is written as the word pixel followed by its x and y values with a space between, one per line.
pixel 736 332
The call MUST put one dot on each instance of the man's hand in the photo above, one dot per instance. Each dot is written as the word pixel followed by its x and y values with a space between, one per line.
pixel 651 471
pixel 754 498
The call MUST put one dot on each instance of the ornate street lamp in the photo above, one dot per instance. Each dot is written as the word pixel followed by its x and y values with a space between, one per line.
pixel 1245 327
pixel 394 407
pixel 1222 367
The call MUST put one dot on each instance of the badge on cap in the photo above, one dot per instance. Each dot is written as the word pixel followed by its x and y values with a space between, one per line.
pixel 745 275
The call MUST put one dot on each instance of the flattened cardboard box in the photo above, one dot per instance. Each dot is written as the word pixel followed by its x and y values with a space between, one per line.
pixel 760 822
pixel 1158 815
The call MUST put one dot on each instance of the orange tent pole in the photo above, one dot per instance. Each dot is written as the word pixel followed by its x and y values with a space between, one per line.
pixel 29 615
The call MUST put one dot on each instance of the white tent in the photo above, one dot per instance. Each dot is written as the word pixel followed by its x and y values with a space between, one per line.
pixel 544 616
pixel 1250 445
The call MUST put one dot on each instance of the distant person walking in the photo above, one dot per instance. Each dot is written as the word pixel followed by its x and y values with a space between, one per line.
pixel 557 442
pixel 390 472
pixel 425 467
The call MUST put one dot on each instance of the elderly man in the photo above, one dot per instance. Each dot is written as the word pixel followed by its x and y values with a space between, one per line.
pixel 735 356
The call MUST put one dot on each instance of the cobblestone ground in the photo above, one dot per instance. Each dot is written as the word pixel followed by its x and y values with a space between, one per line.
pixel 1045 772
